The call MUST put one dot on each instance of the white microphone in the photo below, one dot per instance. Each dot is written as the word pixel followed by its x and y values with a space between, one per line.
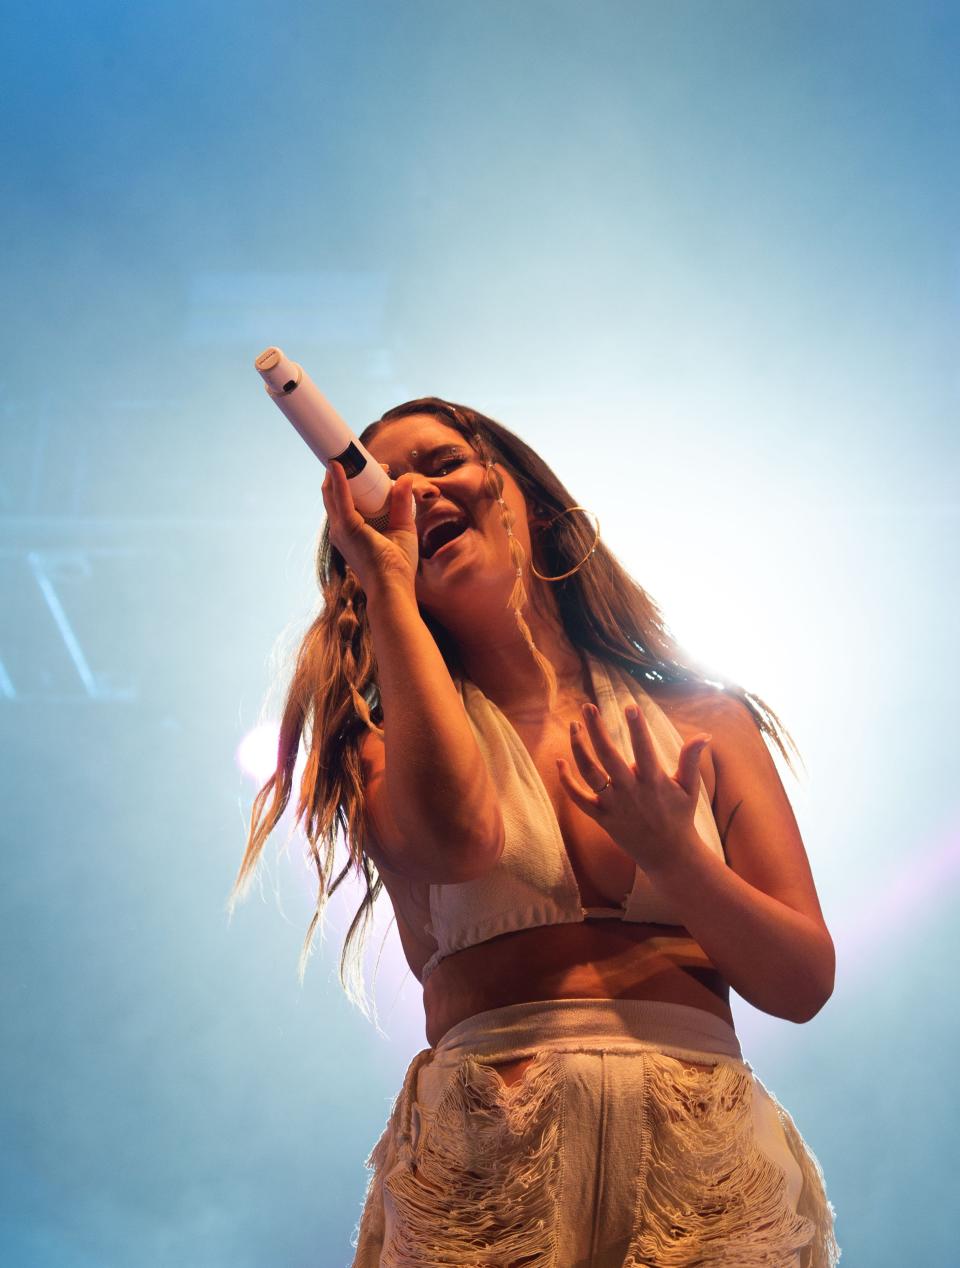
pixel 298 397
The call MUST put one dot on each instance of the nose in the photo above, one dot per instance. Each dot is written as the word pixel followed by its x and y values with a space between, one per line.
pixel 423 489
pixel 425 492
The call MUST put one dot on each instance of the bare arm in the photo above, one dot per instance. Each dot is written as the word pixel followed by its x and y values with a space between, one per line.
pixel 440 803
pixel 759 920
pixel 430 807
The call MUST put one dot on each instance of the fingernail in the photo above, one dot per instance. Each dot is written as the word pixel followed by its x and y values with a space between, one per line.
pixel 631 712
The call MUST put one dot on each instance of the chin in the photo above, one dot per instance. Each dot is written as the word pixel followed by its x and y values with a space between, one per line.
pixel 494 583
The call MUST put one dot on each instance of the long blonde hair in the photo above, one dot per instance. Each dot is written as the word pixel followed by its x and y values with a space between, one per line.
pixel 333 696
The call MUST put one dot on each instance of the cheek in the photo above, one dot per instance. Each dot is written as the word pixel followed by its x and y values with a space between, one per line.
pixel 518 525
pixel 495 529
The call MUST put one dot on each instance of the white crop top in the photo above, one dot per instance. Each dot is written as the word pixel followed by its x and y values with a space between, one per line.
pixel 533 882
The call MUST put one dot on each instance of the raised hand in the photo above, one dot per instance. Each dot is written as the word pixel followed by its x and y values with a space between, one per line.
pixel 377 558
pixel 648 812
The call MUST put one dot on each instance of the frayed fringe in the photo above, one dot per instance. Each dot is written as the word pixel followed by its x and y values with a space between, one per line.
pixel 480 1187
pixel 368 1234
pixel 708 1196
pixel 476 1183
pixel 823 1251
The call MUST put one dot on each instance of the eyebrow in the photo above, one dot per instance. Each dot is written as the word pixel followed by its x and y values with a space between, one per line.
pixel 447 447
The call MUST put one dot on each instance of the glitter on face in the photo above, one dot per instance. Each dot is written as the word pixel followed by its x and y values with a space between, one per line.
pixel 434 454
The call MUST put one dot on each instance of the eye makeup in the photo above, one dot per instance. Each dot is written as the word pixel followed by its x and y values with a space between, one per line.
pixel 439 456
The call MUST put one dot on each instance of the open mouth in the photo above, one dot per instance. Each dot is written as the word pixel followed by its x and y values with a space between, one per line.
pixel 443 539
pixel 452 525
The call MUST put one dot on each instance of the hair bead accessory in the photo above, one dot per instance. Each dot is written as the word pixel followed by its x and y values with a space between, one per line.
pixel 507 517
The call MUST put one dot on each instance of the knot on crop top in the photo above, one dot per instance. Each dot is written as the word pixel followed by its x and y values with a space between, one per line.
pixel 533 882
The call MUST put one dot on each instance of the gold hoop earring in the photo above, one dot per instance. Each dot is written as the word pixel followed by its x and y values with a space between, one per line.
pixel 596 542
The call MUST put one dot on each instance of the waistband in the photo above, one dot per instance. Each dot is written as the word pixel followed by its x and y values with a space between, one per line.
pixel 585 1025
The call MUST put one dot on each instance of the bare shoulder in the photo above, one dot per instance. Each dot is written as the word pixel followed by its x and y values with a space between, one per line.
pixel 695 702
pixel 737 746
pixel 693 708
pixel 371 751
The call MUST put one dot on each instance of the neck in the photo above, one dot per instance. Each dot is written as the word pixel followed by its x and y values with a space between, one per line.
pixel 502 665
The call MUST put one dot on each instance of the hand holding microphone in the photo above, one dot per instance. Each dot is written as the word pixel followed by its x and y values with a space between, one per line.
pixel 379 558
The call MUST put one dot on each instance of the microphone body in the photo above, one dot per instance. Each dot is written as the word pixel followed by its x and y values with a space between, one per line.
pixel 297 396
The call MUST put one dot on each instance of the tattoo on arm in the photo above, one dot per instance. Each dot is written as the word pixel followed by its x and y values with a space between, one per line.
pixel 725 832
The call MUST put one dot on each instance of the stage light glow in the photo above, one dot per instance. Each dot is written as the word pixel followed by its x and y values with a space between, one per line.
pixel 257 751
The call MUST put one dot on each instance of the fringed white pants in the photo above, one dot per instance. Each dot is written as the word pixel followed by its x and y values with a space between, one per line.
pixel 608 1152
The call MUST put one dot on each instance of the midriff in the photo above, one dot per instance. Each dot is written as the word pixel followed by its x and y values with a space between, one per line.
pixel 598 959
